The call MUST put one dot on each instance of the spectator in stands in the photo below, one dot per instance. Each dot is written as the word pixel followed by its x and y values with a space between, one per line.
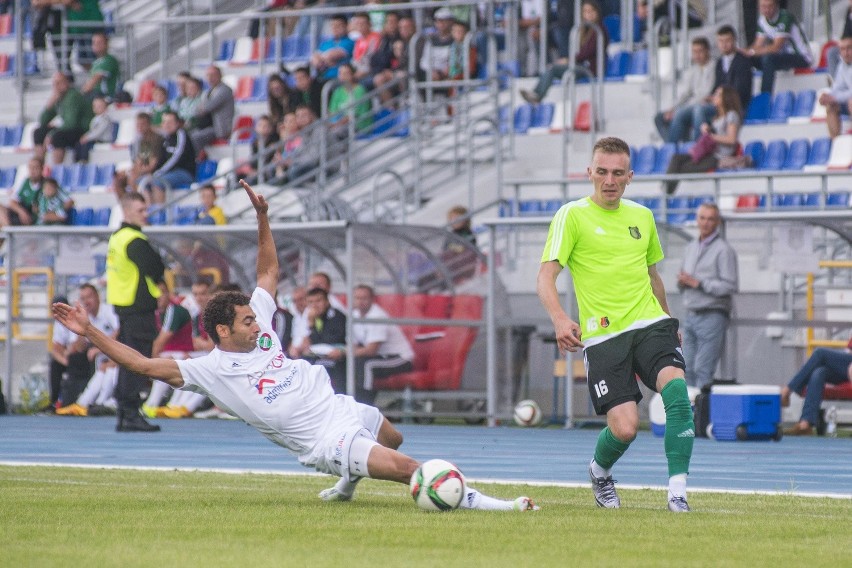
pixel 280 98
pixel 288 135
pixel 214 115
pixel 780 43
pixel 392 64
pixel 263 146
pixel 101 129
pixel 381 349
pixel 195 257
pixel 306 156
pixel 733 68
pixel 459 260
pixel 202 290
pixel 53 204
pixel 81 37
pixel 707 281
pixel 693 108
pixel 459 60
pixel 529 34
pixel 587 57
pixel 308 91
pixel 367 43
pixel 696 12
pixel 838 101
pixel 69 349
pixel 160 96
pixel 333 51
pixel 381 58
pixel 833 54
pixel 176 167
pixel 340 106
pixel 105 74
pixel 57 368
pixel 435 61
pixel 823 366
pixel 21 207
pixel 186 104
pixel 326 342
pixel 282 325
pixel 72 110
pixel 299 309
pixel 211 213
pixel 724 132
pixel 145 150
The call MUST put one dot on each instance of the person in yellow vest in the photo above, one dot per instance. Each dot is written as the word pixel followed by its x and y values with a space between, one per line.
pixel 134 269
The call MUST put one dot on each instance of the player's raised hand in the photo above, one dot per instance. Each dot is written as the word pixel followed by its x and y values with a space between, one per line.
pixel 258 201
pixel 74 318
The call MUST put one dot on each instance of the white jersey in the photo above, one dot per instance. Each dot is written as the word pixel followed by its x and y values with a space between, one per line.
pixel 290 402
pixel 390 338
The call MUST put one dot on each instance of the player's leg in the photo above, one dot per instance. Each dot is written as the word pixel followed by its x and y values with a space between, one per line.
pixel 614 393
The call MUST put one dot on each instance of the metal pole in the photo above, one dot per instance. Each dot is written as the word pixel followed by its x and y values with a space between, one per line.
pixel 19 51
pixel 350 284
pixel 491 333
pixel 10 268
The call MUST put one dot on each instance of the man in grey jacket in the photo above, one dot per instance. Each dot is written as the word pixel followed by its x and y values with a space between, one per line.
pixel 708 279
pixel 214 115
pixel 683 121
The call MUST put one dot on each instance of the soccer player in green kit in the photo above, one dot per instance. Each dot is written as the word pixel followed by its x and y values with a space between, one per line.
pixel 611 247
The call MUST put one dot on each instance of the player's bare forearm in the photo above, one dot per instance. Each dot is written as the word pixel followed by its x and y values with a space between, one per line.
pixel 568 335
pixel 267 256
pixel 658 288
pixel 165 370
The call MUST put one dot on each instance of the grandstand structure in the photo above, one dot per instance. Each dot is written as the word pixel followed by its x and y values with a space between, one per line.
pixel 510 163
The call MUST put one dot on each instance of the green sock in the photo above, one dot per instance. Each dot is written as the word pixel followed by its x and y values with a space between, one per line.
pixel 609 449
pixel 680 428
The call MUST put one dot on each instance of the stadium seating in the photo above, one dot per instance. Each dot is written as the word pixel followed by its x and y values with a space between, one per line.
pixel 820 151
pixel 782 107
pixel 776 155
pixel 645 160
pixel 617 66
pixel 797 155
pixel 758 109
pixel 841 153
pixel 756 150
pixel 804 106
pixel 523 118
pixel 583 118
pixel 205 171
pixel 542 115
pixel 664 156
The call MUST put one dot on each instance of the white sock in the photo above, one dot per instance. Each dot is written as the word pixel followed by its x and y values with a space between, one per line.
pixel 677 486
pixel 346 487
pixel 598 471
pixel 473 499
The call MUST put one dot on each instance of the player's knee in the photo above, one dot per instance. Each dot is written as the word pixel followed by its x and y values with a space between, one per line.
pixel 625 430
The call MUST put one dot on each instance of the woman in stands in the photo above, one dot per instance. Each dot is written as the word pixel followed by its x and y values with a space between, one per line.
pixel 719 139
pixel 281 99
pixel 825 366
pixel 587 57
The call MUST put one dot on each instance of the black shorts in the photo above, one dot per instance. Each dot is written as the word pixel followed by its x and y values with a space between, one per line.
pixel 612 366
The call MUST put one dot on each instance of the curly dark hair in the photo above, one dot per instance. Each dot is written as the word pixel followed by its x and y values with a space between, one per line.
pixel 220 311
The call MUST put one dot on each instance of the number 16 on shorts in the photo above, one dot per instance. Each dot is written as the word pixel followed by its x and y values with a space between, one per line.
pixel 601 389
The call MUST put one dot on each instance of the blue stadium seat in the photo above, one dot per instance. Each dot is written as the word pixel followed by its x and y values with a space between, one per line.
pixel 684 147
pixel 617 66
pixel 186 214
pixel 530 208
pixel 638 63
pixel 646 158
pixel 756 150
pixel 507 208
pixel 171 90
pixel 12 135
pixel 83 217
pixel 612 25
pixel 3 131
pixel 226 50
pixel 797 155
pixel 758 109
pixel 664 156
pixel 401 125
pixel 788 200
pixel 813 200
pixel 542 115
pixel 84 177
pixel 776 155
pixel 654 204
pixel 838 199
pixel 782 107
pixel 7 177
pixel 303 49
pixel 551 206
pixel 156 215
pixel 104 174
pixel 206 171
pixel 820 151
pixel 383 121
pixel 523 118
pixel 62 174
pixel 258 93
pixel 102 216
pixel 804 105
pixel 678 210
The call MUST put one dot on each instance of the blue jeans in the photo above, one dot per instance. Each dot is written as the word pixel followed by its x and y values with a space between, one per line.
pixel 772 62
pixel 824 366
pixel 685 124
pixel 703 340
pixel 174 179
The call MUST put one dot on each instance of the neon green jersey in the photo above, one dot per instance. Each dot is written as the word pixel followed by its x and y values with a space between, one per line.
pixel 608 253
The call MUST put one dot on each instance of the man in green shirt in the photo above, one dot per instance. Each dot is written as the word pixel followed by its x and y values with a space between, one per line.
pixel 75 113
pixel 21 207
pixel 611 247
pixel 104 75
pixel 344 96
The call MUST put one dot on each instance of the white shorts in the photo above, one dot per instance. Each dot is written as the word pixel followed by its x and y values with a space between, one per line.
pixel 351 420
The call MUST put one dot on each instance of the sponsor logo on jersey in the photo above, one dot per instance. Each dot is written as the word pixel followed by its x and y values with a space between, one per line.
pixel 264 342
pixel 262 383
pixel 338 450
pixel 604 321
pixel 267 387
pixel 634 232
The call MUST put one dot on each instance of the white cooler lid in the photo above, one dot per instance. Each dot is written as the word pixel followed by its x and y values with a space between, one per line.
pixel 745 389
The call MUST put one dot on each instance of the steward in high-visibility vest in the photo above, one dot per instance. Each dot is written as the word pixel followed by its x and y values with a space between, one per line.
pixel 133 270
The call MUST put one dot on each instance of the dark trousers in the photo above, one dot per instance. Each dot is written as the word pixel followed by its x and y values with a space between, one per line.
pixel 56 371
pixel 772 62
pixel 378 367
pixel 138 332
pixel 683 164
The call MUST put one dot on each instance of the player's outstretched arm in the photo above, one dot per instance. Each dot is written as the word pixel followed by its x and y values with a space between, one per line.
pixel 267 256
pixel 567 330
pixel 77 321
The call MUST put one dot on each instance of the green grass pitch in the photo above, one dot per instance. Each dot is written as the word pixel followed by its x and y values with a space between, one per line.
pixel 53 516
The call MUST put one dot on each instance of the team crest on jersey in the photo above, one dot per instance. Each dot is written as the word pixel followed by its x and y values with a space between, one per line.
pixel 634 232
pixel 604 321
pixel 264 342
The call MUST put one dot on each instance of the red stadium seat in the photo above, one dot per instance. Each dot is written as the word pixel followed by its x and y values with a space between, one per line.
pixel 583 119
pixel 838 392
pixel 146 92
pixel 245 88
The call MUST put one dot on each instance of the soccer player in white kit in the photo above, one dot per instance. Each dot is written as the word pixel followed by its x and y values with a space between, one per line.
pixel 291 402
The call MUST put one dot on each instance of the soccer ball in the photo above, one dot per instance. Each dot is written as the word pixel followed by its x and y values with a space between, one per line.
pixel 437 485
pixel 527 413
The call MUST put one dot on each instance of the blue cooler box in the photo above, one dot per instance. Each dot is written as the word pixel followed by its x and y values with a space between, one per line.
pixel 745 412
